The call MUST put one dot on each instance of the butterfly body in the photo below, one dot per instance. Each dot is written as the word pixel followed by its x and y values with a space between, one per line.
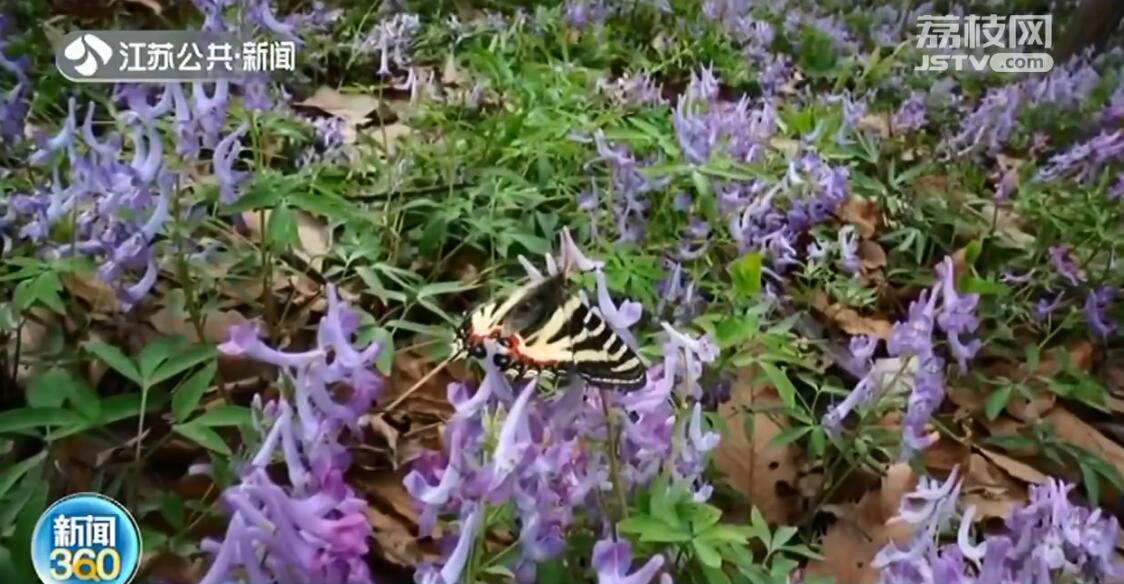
pixel 542 329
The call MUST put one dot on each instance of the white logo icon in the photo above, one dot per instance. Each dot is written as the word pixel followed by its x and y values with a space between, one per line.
pixel 91 51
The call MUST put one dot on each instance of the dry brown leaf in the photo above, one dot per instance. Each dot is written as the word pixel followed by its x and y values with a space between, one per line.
pixel 394 517
pixel 1069 428
pixel 786 146
pixel 764 473
pixel 171 321
pixel 152 5
pixel 863 214
pixel 315 237
pixel 353 108
pixel 879 123
pixel 90 288
pixel 388 136
pixel 451 73
pixel 1009 227
pixel 864 528
pixel 850 320
pixel 872 255
pixel 991 490
pixel 1019 470
pixel 946 454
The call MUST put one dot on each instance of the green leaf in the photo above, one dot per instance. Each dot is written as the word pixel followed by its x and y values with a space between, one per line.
pixel 203 436
pixel 1091 483
pixel 281 228
pixel 983 287
pixel 28 418
pixel 706 553
pixel 224 415
pixel 441 288
pixel 117 360
pixel 726 534
pixel 789 435
pixel 11 475
pixel 972 251
pixel 714 575
pixel 997 401
pixel 704 516
pixel 25 528
pixel 746 274
pixel 155 353
pixel 781 383
pixel 650 529
pixel 183 361
pixel 1033 355
pixel 48 389
pixel 782 536
pixel 187 397
pixel 384 362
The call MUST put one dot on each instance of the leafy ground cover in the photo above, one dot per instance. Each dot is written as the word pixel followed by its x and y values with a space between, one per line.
pixel 880 305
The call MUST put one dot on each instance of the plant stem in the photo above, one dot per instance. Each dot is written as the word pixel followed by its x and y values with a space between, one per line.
pixel 614 463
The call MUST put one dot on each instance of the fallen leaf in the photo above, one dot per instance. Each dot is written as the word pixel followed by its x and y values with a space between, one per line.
pixel 1072 429
pixel 152 5
pixel 353 108
pixel 862 529
pixel 1019 470
pixel 90 288
pixel 863 214
pixel 992 491
pixel 850 320
pixel 764 473
pixel 315 238
pixel 879 123
pixel 946 454
pixel 170 320
pixel 388 136
pixel 1009 227
pixel 394 517
pixel 872 255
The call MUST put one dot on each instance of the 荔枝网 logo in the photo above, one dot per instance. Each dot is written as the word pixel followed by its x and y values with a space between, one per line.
pixel 88 53
pixel 86 538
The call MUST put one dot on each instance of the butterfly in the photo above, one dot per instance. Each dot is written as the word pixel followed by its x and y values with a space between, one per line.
pixel 541 328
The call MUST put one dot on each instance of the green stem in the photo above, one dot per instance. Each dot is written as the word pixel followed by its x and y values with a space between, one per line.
pixel 614 463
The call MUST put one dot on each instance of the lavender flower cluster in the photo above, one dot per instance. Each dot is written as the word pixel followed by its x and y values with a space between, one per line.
pixel 1047 540
pixel 310 527
pixel 118 199
pixel 547 457
pixel 913 338
pixel 1098 299
pixel 15 103
pixel 992 122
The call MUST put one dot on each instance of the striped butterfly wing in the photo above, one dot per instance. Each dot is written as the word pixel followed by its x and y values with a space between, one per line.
pixel 560 331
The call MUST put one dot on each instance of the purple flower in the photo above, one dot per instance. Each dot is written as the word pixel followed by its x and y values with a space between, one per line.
pixel 1047 306
pixel 848 250
pixel 392 38
pixel 613 559
pixel 696 137
pixel 243 340
pixel 261 13
pixel 226 153
pixel 580 14
pixel 1085 160
pixel 64 139
pixel 1008 184
pixel 991 123
pixel 911 116
pixel 1061 257
pixel 1116 191
pixel 957 316
pixel 209 111
pixel 1096 310
pixel 453 567
pixel 633 90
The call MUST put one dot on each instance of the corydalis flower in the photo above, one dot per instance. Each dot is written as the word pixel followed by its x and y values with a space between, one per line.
pixel 1097 304
pixel 314 528
pixel 1061 257
pixel 613 559
pixel 957 316
pixel 910 117
pixel 1085 160
pixel 226 153
pixel 392 38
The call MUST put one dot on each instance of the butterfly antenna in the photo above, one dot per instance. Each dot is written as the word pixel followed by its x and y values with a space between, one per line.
pixel 425 378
